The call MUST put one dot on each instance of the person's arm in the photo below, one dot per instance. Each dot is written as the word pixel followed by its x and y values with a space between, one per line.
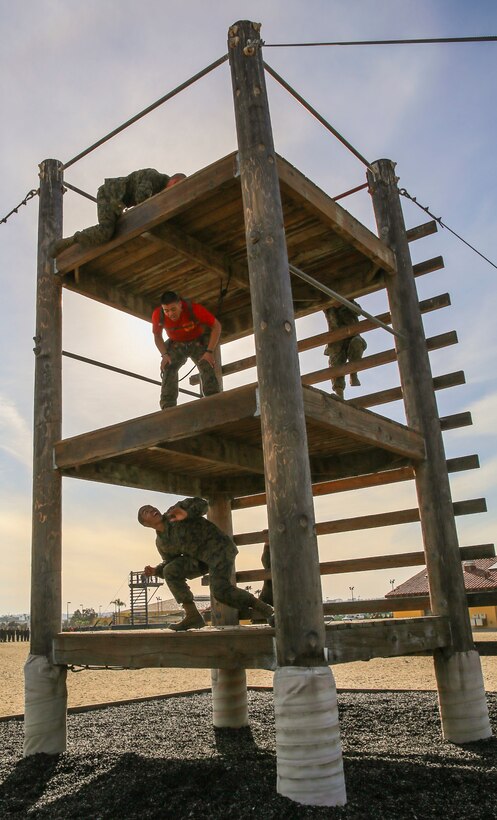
pixel 193 507
pixel 160 343
pixel 151 571
pixel 213 341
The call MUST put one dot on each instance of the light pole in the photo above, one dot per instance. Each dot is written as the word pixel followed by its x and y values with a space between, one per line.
pixel 67 612
pixel 351 593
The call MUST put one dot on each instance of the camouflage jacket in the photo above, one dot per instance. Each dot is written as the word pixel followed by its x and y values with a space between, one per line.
pixel 194 536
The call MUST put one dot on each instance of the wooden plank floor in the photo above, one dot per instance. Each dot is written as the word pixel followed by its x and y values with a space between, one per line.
pixel 215 445
pixel 249 647
pixel 191 237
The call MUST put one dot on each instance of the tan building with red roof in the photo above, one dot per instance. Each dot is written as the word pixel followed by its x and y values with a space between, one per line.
pixel 480 576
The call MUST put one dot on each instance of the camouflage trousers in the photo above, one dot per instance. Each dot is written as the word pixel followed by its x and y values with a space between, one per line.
pixel 110 206
pixel 350 350
pixel 179 352
pixel 176 572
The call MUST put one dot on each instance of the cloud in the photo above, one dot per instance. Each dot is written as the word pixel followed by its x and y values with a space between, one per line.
pixel 15 435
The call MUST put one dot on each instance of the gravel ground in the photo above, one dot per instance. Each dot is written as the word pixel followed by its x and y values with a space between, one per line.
pixel 163 759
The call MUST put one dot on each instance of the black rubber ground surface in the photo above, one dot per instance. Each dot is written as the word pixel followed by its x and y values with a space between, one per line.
pixel 163 759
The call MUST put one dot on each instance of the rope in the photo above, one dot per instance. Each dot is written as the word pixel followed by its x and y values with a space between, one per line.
pixel 488 39
pixel 34 192
pixel 438 219
pixel 357 309
pixel 318 116
pixel 147 110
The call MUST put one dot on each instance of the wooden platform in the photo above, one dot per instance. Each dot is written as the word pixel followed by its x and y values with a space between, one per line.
pixel 249 647
pixel 214 445
pixel 191 239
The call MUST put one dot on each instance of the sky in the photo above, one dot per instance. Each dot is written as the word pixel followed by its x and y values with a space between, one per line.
pixel 71 72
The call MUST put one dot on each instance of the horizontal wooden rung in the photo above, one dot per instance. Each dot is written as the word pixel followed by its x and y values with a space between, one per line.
pixel 420 231
pixel 363 326
pixel 363 522
pixel 455 421
pixel 369 563
pixel 408 603
pixel 395 393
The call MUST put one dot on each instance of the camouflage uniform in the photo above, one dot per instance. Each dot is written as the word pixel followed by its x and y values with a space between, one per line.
pixel 179 352
pixel 193 547
pixel 113 197
pixel 345 350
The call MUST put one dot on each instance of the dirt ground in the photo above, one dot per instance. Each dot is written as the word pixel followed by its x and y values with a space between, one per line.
pixel 87 687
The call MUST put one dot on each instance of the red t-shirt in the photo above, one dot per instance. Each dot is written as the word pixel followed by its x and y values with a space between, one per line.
pixel 185 329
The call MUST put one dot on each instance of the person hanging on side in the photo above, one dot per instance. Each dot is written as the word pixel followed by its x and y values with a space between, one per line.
pixel 346 350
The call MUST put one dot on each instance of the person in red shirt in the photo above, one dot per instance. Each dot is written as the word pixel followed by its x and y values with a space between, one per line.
pixel 193 333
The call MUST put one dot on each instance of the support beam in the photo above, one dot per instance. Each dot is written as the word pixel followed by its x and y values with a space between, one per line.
pixel 190 247
pixel 46 694
pixel 299 632
pixel 460 681
pixel 369 428
pixel 217 449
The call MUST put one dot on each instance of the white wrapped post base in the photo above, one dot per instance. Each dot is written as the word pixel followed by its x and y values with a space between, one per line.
pixel 229 698
pixel 308 750
pixel 45 707
pixel 461 697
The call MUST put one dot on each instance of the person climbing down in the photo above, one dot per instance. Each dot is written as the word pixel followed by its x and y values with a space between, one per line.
pixel 193 332
pixel 346 350
pixel 191 546
pixel 113 197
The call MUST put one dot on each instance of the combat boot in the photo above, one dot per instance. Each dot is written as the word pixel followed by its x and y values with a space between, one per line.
pixel 192 619
pixel 354 380
pixel 60 245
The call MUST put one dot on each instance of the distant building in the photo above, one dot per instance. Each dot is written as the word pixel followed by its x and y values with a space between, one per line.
pixel 480 575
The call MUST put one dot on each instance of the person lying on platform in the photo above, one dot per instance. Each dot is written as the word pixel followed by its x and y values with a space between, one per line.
pixel 191 546
pixel 193 332
pixel 346 350
pixel 113 197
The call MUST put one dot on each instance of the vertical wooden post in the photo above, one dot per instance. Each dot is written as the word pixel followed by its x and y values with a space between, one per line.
pixel 293 543
pixel 304 690
pixel 46 576
pixel 229 686
pixel 447 593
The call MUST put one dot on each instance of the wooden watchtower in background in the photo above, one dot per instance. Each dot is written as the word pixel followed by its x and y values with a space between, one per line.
pixel 247 217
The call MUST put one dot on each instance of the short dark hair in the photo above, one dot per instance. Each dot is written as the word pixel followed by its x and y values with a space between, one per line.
pixel 169 296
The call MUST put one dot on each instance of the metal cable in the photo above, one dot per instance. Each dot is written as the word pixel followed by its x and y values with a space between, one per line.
pixel 438 219
pixel 34 192
pixel 485 39
pixel 124 372
pixel 79 191
pixel 318 116
pixel 357 309
pixel 147 110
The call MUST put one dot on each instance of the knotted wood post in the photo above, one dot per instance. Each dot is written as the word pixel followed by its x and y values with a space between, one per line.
pixel 46 695
pixel 458 669
pixel 303 684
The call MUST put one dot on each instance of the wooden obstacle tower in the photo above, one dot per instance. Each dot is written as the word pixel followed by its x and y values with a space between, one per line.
pixel 245 219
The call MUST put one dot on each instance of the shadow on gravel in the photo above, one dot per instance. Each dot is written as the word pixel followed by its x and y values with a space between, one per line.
pixel 165 760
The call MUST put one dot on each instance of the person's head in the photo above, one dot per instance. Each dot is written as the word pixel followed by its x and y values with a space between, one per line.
pixel 149 516
pixel 175 179
pixel 171 304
